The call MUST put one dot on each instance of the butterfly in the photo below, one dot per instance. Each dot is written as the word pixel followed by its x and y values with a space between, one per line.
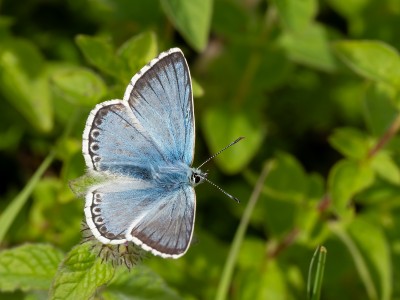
pixel 144 146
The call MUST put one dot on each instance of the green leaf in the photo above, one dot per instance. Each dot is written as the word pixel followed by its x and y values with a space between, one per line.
pixel 310 47
pixel 138 51
pixel 297 15
pixel 370 250
pixel 80 274
pixel 350 142
pixel 28 267
pixel 198 90
pixel 230 126
pixel 277 225
pixel 384 165
pixel 100 53
pixel 349 8
pixel 375 250
pixel 78 85
pixel 379 108
pixel 267 282
pixel 191 18
pixel 23 82
pixel 229 19
pixel 345 180
pixel 286 179
pixel 139 283
pixel 373 60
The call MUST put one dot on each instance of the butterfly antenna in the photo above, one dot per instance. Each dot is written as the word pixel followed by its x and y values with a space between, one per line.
pixel 219 152
pixel 213 184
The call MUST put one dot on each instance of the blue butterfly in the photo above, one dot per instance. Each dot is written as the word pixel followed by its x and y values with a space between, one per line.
pixel 144 145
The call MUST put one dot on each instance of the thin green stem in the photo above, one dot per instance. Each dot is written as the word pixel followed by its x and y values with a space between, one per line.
pixel 12 210
pixel 10 213
pixel 310 273
pixel 319 274
pixel 239 236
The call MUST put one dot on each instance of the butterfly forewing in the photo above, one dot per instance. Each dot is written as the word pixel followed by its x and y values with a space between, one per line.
pixel 161 99
pixel 116 142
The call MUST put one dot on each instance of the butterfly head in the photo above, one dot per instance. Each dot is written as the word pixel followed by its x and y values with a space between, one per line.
pixel 197 176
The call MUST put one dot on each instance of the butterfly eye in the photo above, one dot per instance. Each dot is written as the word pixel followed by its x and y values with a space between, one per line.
pixel 196 179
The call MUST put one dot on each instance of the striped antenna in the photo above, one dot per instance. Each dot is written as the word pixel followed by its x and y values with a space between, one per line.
pixel 220 151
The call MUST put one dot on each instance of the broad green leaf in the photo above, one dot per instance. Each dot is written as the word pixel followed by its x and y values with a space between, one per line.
pixel 265 282
pixel 345 180
pixel 23 82
pixel 198 90
pixel 379 107
pixel 100 53
pixel 28 267
pixel 315 187
pixel 264 79
pixel 350 142
pixel 310 47
pixel 370 250
pixel 386 167
pixel 373 60
pixel 10 138
pixel 78 86
pixel 307 216
pixel 349 8
pixel 80 274
pixel 138 51
pixel 297 15
pixel 191 18
pixel 232 125
pixel 139 283
pixel 286 179
pixel 277 225
pixel 230 20
pixel 252 251
pixel 47 208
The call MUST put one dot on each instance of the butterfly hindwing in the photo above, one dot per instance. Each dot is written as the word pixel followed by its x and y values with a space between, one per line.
pixel 159 220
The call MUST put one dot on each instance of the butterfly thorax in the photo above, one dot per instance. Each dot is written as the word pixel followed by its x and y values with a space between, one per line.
pixel 173 176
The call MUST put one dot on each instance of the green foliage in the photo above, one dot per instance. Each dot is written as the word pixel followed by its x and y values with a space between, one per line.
pixel 373 60
pixel 28 267
pixel 313 86
pixel 191 18
pixel 80 274
pixel 23 74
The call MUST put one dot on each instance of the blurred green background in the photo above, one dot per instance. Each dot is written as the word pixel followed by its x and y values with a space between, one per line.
pixel 312 85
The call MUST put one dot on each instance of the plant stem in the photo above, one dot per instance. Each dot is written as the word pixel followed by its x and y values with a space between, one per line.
pixel 227 272
pixel 319 274
pixel 12 210
pixel 286 242
pixel 387 136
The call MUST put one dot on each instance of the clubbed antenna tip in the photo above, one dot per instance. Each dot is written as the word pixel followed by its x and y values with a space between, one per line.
pixel 229 195
pixel 220 151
